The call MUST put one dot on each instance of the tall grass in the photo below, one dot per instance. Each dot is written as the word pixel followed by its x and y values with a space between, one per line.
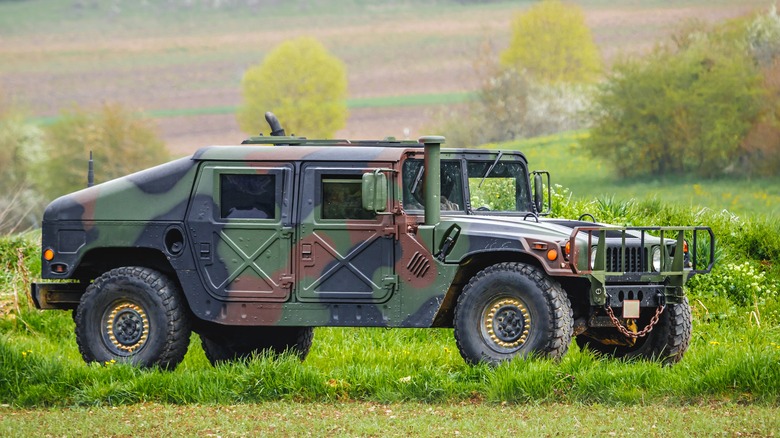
pixel 734 355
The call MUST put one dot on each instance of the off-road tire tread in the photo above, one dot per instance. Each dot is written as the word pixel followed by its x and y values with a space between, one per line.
pixel 667 342
pixel 558 333
pixel 177 333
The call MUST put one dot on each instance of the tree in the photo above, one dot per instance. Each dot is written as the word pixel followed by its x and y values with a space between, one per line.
pixel 20 147
pixel 121 142
pixel 552 43
pixel 678 110
pixel 300 82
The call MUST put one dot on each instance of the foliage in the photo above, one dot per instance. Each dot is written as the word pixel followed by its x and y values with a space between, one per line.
pixel 552 43
pixel 121 142
pixel 302 84
pixel 708 105
pixel 509 105
pixel 676 112
pixel 20 147
pixel 743 283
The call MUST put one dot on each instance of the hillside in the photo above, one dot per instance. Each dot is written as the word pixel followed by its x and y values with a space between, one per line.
pixel 181 61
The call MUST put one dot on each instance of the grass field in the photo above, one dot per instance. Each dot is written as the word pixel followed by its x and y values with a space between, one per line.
pixel 588 178
pixel 178 63
pixel 182 66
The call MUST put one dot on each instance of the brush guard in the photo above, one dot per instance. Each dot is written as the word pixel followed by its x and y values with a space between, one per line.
pixel 637 279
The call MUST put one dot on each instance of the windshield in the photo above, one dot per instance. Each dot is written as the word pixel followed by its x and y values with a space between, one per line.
pixel 502 188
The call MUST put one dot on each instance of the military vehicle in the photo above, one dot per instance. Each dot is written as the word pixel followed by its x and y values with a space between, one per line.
pixel 253 245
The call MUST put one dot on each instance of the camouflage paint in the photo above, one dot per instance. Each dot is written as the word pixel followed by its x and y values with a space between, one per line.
pixel 299 268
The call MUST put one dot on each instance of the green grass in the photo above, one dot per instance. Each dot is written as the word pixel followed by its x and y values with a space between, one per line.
pixel 589 178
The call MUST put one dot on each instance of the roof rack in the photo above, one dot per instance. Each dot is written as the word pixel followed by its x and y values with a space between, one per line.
pixel 303 141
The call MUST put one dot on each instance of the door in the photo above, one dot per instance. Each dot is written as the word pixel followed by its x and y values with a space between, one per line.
pixel 241 231
pixel 345 253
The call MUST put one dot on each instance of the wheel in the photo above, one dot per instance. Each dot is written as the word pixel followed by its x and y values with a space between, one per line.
pixel 135 315
pixel 667 342
pixel 238 343
pixel 512 310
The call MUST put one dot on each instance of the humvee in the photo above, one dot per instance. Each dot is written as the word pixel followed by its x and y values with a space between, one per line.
pixel 251 246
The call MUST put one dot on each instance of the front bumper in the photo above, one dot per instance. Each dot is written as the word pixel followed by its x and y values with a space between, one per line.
pixel 61 296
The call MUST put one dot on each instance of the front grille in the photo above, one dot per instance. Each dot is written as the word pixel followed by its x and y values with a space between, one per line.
pixel 631 263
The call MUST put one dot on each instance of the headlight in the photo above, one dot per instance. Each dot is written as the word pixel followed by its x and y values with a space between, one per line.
pixel 593 257
pixel 657 259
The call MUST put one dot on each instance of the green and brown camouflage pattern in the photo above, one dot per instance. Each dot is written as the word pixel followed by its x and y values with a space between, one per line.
pixel 397 267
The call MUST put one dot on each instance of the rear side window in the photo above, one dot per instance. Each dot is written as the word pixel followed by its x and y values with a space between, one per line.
pixel 247 196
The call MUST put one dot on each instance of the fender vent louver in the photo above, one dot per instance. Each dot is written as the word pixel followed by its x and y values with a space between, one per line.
pixel 418 265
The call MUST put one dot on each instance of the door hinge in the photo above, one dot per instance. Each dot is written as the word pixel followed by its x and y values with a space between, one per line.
pixel 390 282
pixel 286 281
pixel 390 231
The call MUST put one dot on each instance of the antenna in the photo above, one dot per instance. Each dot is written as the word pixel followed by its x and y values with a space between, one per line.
pixel 90 171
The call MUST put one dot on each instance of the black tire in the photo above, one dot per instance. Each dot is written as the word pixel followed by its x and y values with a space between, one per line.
pixel 133 314
pixel 512 310
pixel 239 343
pixel 667 342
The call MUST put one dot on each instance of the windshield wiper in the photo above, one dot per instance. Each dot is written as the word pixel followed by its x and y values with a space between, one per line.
pixel 417 179
pixel 490 169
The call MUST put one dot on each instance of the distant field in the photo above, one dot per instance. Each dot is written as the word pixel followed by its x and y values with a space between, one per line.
pixel 572 167
pixel 179 60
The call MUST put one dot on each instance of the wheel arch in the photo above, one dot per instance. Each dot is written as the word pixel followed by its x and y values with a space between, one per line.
pixel 98 261
pixel 468 267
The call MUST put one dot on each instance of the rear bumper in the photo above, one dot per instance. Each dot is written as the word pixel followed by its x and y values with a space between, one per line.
pixel 57 295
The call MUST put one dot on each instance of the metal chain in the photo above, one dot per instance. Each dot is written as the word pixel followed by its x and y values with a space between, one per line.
pixel 639 334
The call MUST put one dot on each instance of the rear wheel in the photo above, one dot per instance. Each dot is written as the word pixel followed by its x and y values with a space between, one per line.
pixel 237 343
pixel 667 342
pixel 135 315
pixel 509 310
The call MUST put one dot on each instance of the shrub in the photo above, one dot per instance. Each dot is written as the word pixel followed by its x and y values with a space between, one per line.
pixel 121 141
pixel 709 104
pixel 552 43
pixel 20 147
pixel 743 283
pixel 300 82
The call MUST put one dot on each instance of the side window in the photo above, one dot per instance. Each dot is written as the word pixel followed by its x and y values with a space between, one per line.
pixel 342 198
pixel 247 196
pixel 451 185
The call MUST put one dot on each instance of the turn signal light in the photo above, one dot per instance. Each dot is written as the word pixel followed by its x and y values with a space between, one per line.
pixel 48 255
pixel 552 255
pixel 568 249
pixel 685 246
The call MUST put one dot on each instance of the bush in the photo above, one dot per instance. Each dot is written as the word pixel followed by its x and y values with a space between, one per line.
pixel 708 105
pixel 676 112
pixel 121 142
pixel 302 84
pixel 20 147
pixel 552 43
pixel 510 106
pixel 743 283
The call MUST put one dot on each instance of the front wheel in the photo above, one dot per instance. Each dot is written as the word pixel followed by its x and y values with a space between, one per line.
pixel 512 310
pixel 135 315
pixel 667 342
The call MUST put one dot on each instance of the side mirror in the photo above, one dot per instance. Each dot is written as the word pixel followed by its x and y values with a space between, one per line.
pixel 374 191
pixel 538 193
